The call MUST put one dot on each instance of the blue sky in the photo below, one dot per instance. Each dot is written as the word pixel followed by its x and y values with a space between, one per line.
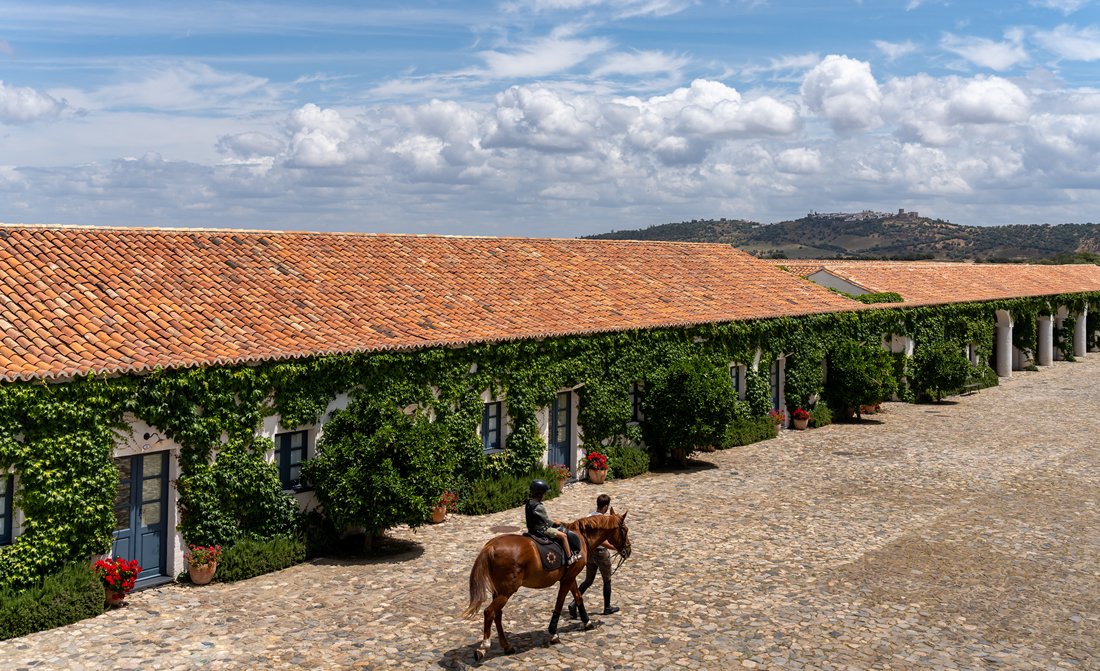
pixel 546 117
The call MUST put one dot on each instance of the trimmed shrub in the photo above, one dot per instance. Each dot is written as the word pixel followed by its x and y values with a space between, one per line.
pixel 938 369
pixel 625 461
pixel 688 406
pixel 251 557
pixel 377 467
pixel 747 431
pixel 859 374
pixel 504 492
pixel 821 415
pixel 73 594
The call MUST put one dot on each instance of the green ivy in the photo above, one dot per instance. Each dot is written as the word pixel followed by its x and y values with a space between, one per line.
pixel 59 438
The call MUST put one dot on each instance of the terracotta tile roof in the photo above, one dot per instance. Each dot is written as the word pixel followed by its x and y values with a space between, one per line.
pixel 935 282
pixel 78 299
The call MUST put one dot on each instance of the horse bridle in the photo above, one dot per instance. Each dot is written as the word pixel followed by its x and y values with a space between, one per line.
pixel 622 558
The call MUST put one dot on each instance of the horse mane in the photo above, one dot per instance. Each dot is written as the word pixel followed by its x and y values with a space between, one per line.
pixel 594 522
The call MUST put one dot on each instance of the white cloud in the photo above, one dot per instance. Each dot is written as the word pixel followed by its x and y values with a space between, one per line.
pixel 987 53
pixel 250 145
pixel 939 112
pixel 799 161
pixel 844 91
pixel 542 57
pixel 641 63
pixel 895 50
pixel 21 104
pixel 322 138
pixel 1073 44
pixel 539 118
pixel 1064 6
pixel 988 100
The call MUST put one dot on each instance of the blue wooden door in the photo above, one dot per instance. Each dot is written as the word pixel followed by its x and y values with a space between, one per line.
pixel 560 435
pixel 141 513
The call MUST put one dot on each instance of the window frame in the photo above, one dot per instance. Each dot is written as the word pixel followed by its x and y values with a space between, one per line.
pixel 737 377
pixel 282 460
pixel 775 376
pixel 486 416
pixel 637 390
pixel 7 535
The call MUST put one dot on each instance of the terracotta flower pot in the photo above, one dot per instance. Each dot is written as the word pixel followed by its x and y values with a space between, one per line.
pixel 202 574
pixel 597 477
pixel 439 513
pixel 115 599
pixel 800 424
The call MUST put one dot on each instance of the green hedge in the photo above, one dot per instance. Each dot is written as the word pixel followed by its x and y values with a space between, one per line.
pixel 503 492
pixel 747 431
pixel 821 415
pixel 251 557
pixel 71 595
pixel 626 462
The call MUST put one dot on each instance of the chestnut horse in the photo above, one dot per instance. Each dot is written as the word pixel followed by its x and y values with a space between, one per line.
pixel 511 561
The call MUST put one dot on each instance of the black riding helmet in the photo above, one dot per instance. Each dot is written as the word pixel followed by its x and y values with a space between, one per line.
pixel 539 487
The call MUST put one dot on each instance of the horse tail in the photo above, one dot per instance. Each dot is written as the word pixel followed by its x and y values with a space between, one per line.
pixel 480 582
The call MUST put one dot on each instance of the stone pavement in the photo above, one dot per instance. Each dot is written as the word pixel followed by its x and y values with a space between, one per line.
pixel 956 536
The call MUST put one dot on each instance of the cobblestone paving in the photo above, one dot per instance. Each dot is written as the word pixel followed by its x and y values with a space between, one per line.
pixel 955 536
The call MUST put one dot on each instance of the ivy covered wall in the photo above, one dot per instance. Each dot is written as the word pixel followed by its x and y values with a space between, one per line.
pixel 60 438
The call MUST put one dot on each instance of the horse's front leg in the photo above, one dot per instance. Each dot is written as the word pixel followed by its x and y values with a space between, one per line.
pixel 566 585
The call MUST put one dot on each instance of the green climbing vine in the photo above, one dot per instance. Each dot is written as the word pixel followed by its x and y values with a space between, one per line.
pixel 59 438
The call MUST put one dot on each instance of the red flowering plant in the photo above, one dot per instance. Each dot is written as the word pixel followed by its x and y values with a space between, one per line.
pixel 777 415
pixel 561 471
pixel 118 574
pixel 800 414
pixel 448 500
pixel 203 555
pixel 594 461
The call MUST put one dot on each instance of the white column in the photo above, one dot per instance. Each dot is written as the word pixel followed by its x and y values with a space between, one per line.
pixel 1046 340
pixel 1004 344
pixel 1079 340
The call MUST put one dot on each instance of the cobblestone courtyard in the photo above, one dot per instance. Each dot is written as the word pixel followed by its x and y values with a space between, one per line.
pixel 963 535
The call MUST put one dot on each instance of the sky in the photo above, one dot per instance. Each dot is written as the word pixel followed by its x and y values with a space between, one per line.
pixel 546 117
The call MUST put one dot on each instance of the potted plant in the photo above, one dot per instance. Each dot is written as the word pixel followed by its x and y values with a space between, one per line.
pixel 202 562
pixel 595 465
pixel 118 576
pixel 561 472
pixel 447 503
pixel 778 416
pixel 800 419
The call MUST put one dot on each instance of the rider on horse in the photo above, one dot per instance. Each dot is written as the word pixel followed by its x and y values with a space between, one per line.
pixel 540 524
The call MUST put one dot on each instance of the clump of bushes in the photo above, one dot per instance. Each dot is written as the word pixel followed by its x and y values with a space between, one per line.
pixel 688 406
pixel 503 492
pixel 821 415
pixel 73 594
pixel 625 461
pixel 859 374
pixel 938 369
pixel 251 557
pixel 748 430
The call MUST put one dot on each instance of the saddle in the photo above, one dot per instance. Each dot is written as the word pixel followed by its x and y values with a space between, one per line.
pixel 550 551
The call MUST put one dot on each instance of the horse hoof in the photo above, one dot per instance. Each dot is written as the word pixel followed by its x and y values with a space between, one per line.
pixel 589 626
pixel 554 639
pixel 509 650
pixel 478 655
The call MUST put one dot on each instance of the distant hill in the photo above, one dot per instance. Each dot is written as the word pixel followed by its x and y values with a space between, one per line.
pixel 881 235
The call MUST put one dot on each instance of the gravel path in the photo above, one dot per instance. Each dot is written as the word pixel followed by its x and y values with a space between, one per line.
pixel 957 536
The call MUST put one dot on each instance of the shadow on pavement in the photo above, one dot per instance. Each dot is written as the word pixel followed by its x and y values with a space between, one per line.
pixel 463 657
